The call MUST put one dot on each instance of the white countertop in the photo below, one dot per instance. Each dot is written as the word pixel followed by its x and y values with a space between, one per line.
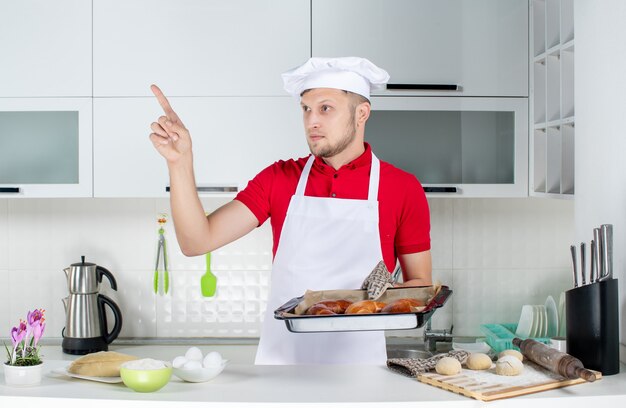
pixel 242 384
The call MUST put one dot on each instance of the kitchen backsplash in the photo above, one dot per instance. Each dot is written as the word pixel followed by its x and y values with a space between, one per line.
pixel 496 255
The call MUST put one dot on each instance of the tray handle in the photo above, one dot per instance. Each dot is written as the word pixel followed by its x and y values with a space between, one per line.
pixel 440 299
pixel 278 313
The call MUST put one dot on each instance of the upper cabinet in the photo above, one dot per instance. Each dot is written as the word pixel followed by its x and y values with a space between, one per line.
pixel 233 139
pixel 45 147
pixel 45 48
pixel 198 48
pixel 479 46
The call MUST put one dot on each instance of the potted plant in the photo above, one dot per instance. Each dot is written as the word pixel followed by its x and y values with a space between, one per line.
pixel 23 366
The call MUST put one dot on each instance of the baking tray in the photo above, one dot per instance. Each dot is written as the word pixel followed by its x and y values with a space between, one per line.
pixel 358 322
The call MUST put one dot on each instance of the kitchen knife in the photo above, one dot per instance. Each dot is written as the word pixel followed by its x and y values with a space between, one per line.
pixel 598 238
pixel 606 231
pixel 574 262
pixel 592 263
pixel 582 263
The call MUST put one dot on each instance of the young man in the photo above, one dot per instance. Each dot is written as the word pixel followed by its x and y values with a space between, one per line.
pixel 334 214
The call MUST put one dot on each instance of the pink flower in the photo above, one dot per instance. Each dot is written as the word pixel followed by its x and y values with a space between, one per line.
pixel 18 333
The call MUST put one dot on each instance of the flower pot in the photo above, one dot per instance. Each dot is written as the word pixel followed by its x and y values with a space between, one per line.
pixel 22 376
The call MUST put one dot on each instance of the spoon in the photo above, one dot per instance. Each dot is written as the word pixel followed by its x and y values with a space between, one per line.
pixel 208 281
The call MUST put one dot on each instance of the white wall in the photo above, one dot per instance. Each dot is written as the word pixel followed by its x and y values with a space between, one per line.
pixel 496 255
pixel 600 86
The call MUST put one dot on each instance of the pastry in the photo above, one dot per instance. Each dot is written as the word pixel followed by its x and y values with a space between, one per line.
pixel 403 306
pixel 365 307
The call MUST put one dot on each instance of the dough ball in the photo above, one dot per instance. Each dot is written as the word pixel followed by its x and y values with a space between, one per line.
pixel 478 361
pixel 212 359
pixel 448 366
pixel 509 365
pixel 194 353
pixel 513 353
pixel 179 362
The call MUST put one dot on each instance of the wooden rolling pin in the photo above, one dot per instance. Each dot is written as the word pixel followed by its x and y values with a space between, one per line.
pixel 554 360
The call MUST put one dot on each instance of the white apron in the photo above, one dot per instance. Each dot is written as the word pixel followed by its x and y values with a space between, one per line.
pixel 326 243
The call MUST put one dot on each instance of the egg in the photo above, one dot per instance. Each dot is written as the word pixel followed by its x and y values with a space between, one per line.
pixel 194 353
pixel 212 359
pixel 179 361
pixel 192 365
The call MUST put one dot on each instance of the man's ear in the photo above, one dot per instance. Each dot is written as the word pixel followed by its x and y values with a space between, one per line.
pixel 362 113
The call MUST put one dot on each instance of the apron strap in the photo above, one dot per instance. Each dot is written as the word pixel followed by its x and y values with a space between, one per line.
pixel 304 176
pixel 372 194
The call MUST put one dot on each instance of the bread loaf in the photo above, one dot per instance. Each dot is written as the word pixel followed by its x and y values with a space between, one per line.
pixel 365 306
pixel 403 306
pixel 328 307
pixel 100 364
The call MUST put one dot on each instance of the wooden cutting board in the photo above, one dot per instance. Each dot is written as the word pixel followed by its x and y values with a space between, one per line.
pixel 488 386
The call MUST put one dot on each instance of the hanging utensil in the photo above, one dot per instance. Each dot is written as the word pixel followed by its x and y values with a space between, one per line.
pixel 208 281
pixel 161 253
pixel 575 264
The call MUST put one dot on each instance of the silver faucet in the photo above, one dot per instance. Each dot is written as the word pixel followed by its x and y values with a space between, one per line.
pixel 431 337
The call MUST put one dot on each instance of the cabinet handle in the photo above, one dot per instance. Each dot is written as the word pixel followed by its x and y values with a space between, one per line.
pixel 425 87
pixel 212 189
pixel 9 189
pixel 440 190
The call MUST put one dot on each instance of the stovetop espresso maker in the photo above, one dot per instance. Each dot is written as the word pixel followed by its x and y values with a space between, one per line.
pixel 86 328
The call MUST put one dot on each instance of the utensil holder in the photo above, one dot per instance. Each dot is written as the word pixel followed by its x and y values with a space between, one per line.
pixel 592 315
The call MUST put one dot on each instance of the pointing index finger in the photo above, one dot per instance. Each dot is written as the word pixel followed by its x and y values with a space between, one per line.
pixel 165 104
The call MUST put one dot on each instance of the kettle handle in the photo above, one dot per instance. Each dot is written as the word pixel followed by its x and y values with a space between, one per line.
pixel 117 327
pixel 101 271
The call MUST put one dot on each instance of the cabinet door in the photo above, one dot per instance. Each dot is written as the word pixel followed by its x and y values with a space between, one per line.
pixel 198 47
pixel 45 48
pixel 456 147
pixel 479 45
pixel 45 147
pixel 233 139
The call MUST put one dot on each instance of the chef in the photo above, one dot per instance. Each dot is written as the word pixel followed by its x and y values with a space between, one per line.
pixel 334 214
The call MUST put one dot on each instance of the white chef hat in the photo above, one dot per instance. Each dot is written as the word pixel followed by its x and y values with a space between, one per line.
pixel 353 74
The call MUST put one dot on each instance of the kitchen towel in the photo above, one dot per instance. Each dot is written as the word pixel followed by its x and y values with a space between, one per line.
pixel 411 367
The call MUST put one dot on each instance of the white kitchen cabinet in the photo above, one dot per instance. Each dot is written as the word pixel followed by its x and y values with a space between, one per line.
pixel 456 147
pixel 233 139
pixel 45 48
pixel 552 99
pixel 198 47
pixel 45 147
pixel 481 46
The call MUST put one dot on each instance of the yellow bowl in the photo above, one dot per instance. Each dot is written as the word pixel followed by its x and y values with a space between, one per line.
pixel 146 380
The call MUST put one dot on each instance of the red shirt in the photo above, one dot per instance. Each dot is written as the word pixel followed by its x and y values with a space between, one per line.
pixel 404 219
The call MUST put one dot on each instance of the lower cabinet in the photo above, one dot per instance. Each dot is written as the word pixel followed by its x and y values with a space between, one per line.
pixel 233 139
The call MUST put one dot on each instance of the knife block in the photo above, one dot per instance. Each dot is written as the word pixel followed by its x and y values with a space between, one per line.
pixel 592 318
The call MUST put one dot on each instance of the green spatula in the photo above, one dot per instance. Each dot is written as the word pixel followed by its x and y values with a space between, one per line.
pixel 208 281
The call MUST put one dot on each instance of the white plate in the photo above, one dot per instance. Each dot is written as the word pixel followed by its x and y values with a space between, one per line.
pixel 553 317
pixel 536 322
pixel 63 371
pixel 524 326
pixel 543 321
